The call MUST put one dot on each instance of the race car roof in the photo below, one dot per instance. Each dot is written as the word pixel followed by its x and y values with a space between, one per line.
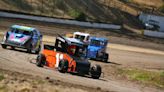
pixel 99 38
pixel 73 40
pixel 80 33
pixel 23 27
pixel 70 40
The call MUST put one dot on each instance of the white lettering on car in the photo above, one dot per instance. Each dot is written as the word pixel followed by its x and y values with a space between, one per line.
pixel 58 58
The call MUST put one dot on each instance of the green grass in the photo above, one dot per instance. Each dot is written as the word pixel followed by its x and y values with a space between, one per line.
pixel 78 15
pixel 3 89
pixel 161 9
pixel 144 76
pixel 1 77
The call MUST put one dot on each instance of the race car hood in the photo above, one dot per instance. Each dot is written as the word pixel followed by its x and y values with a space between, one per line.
pixel 82 65
pixel 19 38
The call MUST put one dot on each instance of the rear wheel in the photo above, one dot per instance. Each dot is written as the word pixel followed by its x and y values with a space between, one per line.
pixel 105 58
pixel 95 71
pixel 41 59
pixel 63 66
pixel 29 51
pixel 4 46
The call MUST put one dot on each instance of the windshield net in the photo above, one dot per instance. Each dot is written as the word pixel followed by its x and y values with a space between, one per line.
pixel 97 43
pixel 80 37
pixel 77 51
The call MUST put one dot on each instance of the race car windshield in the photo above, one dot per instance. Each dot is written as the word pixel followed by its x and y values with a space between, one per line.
pixel 18 31
pixel 77 51
pixel 97 43
pixel 81 38
pixel 81 52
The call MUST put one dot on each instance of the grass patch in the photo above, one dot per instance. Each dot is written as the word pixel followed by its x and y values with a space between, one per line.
pixel 77 14
pixel 3 89
pixel 161 8
pixel 143 76
pixel 1 77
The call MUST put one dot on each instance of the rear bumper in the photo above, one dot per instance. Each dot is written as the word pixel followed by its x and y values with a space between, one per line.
pixel 14 45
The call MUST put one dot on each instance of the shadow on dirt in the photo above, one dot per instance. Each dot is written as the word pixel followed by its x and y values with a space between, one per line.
pixel 88 76
pixel 19 50
pixel 108 62
pixel 114 63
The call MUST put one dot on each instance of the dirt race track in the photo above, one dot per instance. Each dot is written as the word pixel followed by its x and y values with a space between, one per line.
pixel 20 61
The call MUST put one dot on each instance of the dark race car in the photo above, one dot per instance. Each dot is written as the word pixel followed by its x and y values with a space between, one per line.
pixel 68 55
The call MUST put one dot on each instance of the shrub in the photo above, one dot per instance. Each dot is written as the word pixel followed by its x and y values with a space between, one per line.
pixel 161 9
pixel 126 1
pixel 78 15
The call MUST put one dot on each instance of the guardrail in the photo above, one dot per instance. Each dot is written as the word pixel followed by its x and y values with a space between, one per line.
pixel 154 34
pixel 61 21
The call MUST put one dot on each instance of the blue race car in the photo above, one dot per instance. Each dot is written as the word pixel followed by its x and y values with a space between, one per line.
pixel 97 49
pixel 23 37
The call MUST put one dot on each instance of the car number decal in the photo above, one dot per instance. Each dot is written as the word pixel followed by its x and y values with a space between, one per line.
pixel 58 58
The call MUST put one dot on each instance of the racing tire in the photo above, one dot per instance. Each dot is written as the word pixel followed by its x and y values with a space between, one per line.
pixel 40 61
pixel 29 49
pixel 63 66
pixel 4 46
pixel 96 71
pixel 37 52
pixel 105 58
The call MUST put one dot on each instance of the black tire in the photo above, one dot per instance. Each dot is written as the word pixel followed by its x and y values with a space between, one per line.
pixel 105 58
pixel 40 61
pixel 29 50
pixel 63 66
pixel 95 71
pixel 37 52
pixel 4 46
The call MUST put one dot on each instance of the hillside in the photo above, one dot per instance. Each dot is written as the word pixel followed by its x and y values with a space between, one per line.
pixel 110 11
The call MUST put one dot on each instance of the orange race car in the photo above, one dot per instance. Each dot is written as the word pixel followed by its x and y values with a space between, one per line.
pixel 68 55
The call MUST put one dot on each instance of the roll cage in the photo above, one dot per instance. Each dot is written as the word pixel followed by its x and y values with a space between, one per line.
pixel 71 46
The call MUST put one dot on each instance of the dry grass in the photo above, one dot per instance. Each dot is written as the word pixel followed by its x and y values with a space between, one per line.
pixel 146 77
pixel 109 11
pixel 18 82
pixel 155 3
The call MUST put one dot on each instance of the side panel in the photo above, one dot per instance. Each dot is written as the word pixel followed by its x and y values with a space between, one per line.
pixel 53 58
pixel 50 58
pixel 72 63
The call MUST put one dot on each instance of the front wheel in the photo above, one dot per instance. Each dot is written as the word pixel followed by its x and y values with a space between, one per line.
pixel 95 71
pixel 105 58
pixel 4 46
pixel 29 49
pixel 63 66
pixel 40 61
pixel 37 52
